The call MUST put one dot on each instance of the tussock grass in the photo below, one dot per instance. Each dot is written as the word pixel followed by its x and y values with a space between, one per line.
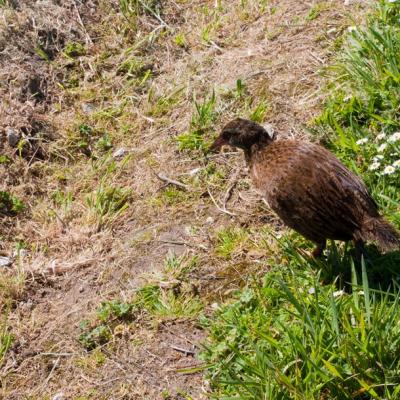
pixel 292 338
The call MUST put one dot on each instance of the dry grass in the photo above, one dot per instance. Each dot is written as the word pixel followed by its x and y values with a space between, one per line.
pixel 134 87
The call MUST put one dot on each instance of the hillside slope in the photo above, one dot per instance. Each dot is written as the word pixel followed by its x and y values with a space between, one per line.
pixel 103 103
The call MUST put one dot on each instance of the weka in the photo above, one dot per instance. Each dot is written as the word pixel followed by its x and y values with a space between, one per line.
pixel 309 188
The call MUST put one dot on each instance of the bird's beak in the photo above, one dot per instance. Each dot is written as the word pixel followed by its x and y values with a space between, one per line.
pixel 216 146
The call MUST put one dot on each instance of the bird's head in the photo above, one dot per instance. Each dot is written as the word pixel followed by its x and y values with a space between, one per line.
pixel 241 133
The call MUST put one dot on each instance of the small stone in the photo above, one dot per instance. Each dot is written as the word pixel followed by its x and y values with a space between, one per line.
pixel 210 220
pixel 59 396
pixel 194 171
pixel 119 153
pixel 5 262
pixel 88 108
pixel 12 136
pixel 215 306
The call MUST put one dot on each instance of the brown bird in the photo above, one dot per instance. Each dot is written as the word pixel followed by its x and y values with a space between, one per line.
pixel 309 188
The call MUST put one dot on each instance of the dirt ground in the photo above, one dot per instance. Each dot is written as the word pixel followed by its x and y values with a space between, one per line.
pixel 70 264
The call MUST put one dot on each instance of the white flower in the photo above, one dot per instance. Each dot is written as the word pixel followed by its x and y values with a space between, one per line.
pixel 389 170
pixel 378 157
pixel 362 141
pixel 394 138
pixel 381 136
pixel 396 164
pixel 382 147
pixel 338 293
pixel 374 166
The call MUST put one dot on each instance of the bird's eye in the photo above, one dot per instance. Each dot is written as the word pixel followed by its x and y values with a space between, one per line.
pixel 226 135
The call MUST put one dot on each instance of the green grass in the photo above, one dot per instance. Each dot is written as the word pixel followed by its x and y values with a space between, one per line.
pixel 107 203
pixel 291 338
pixel 360 122
pixel 74 49
pixel 230 241
pixel 203 116
pixel 10 204
pixel 165 297
pixel 6 338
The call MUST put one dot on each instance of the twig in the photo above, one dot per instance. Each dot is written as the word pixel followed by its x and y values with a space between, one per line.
pixel 182 243
pixel 170 181
pixel 55 365
pixel 157 16
pixel 88 38
pixel 228 193
pixel 224 210
pixel 184 351
pixel 60 269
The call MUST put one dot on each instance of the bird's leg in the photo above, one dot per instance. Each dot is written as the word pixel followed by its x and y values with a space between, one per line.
pixel 318 251
pixel 360 251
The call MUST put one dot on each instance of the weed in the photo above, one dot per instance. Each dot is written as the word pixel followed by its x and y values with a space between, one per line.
pixel 315 11
pixel 12 286
pixel 42 53
pixel 6 338
pixel 163 104
pixel 180 40
pixel 202 119
pixel 178 267
pixel 74 49
pixel 107 203
pixel 230 241
pixel 5 159
pixel 259 113
pixel 135 7
pixel 104 143
pixel 168 303
pixel 10 205
pixel 108 317
pixel 93 337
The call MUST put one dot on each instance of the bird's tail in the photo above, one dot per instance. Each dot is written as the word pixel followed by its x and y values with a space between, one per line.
pixel 380 231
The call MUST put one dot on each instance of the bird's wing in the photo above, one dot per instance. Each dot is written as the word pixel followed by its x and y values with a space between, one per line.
pixel 318 196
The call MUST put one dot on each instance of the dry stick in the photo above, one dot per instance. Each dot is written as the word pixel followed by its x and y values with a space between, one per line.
pixel 88 38
pixel 228 193
pixel 157 16
pixel 183 243
pixel 224 210
pixel 170 181
pixel 185 351
pixel 55 365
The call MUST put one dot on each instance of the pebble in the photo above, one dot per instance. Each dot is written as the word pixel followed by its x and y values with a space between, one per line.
pixel 210 220
pixel 5 261
pixel 59 396
pixel 119 153
pixel 88 108
pixel 12 136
